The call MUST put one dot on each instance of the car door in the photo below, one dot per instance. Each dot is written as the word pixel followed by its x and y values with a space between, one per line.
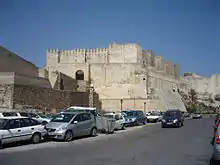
pixel 77 127
pixel 27 128
pixel 140 117
pixel 87 124
pixel 12 132
pixel 119 121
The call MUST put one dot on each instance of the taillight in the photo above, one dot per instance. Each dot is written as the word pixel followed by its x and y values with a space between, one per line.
pixel 217 139
pixel 218 122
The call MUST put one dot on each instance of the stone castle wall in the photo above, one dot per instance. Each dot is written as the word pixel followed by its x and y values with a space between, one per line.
pixel 23 96
pixel 10 62
pixel 6 95
pixel 40 98
pixel 15 78
pixel 119 71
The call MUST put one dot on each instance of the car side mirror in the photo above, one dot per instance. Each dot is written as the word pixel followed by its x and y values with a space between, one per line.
pixel 44 123
pixel 75 122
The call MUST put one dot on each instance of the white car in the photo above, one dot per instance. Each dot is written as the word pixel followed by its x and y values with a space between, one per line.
pixel 37 116
pixel 14 129
pixel 154 117
pixel 119 119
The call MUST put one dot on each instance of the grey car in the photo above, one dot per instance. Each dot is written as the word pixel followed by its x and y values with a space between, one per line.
pixel 67 125
pixel 216 148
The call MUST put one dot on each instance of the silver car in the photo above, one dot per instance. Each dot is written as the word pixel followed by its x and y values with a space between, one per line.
pixel 216 148
pixel 67 125
pixel 14 129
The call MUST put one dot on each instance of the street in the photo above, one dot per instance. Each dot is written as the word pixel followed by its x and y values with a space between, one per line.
pixel 148 145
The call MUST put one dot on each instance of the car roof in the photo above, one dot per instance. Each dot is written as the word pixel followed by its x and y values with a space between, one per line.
pixel 74 113
pixel 14 117
pixel 173 110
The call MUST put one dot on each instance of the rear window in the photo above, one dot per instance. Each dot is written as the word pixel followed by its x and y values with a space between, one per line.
pixel 5 114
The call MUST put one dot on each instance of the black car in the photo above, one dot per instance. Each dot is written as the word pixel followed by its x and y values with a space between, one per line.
pixel 172 118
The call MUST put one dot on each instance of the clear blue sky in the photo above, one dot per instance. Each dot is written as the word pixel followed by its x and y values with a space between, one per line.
pixel 186 32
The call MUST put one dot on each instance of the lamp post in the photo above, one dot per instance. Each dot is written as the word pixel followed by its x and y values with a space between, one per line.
pixel 91 93
pixel 121 101
pixel 145 107
pixel 146 67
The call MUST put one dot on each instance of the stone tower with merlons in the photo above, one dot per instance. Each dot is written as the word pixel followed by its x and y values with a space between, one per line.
pixel 119 72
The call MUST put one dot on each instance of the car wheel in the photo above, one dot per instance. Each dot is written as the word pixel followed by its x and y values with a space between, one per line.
pixel 93 132
pixel 123 127
pixel 162 126
pixel 213 161
pixel 68 136
pixel 46 138
pixel 144 122
pixel 36 138
pixel 1 144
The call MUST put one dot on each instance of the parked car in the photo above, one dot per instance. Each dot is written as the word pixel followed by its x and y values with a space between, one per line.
pixel 216 147
pixel 172 118
pixel 134 117
pixel 197 115
pixel 37 116
pixel 67 125
pixel 103 124
pixel 119 119
pixel 154 117
pixel 14 129
pixel 187 115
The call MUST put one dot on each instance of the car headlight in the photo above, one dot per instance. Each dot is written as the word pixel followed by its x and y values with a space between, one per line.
pixel 163 120
pixel 176 120
pixel 61 129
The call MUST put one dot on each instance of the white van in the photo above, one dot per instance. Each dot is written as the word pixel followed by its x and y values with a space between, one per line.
pixel 119 119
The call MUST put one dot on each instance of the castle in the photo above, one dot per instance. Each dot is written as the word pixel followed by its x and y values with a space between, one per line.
pixel 124 75
pixel 121 76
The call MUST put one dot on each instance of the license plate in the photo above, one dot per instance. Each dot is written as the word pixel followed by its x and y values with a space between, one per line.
pixel 169 123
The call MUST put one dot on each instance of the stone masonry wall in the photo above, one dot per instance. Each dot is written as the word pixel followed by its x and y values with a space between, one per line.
pixel 6 96
pixel 131 104
pixel 40 98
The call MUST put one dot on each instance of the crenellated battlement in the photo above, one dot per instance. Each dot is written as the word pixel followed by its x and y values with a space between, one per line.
pixel 78 51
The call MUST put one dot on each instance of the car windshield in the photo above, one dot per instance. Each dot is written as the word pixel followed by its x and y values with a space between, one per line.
pixel 63 118
pixel 132 113
pixel 3 123
pixel 42 115
pixel 171 113
pixel 94 112
pixel 109 116
pixel 154 114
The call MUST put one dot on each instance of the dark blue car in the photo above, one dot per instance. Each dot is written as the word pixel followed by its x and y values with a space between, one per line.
pixel 172 118
pixel 134 117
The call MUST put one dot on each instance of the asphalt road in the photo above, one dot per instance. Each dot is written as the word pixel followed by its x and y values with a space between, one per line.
pixel 149 145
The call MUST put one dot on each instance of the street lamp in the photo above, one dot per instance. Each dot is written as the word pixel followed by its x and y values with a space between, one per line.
pixel 145 107
pixel 91 93
pixel 121 101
